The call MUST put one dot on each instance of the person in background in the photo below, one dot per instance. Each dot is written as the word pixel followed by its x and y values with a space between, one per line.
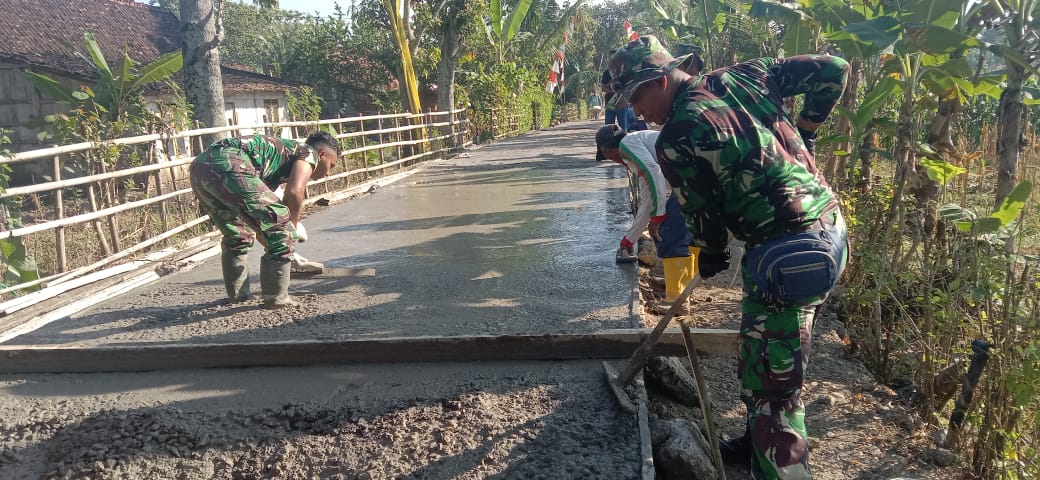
pixel 657 209
pixel 738 164
pixel 595 105
pixel 234 181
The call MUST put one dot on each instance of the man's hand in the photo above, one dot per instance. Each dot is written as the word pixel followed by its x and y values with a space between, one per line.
pixel 301 233
pixel 626 245
pixel 711 264
pixel 655 227
pixel 809 139
pixel 807 130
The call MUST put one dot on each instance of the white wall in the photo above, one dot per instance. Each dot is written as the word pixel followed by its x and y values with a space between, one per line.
pixel 20 103
pixel 249 108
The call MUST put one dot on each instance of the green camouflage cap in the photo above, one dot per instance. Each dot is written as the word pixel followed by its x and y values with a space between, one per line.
pixel 642 60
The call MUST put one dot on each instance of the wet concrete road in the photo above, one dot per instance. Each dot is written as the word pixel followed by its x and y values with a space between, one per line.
pixel 514 237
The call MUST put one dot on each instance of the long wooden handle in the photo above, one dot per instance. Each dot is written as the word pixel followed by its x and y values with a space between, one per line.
pixel 642 354
pixel 705 400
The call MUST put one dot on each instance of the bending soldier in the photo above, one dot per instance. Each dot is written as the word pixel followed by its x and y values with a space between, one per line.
pixel 738 163
pixel 234 181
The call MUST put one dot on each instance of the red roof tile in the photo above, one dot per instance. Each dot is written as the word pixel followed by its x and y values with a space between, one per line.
pixel 45 33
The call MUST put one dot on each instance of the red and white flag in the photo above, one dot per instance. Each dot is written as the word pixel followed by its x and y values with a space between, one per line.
pixel 631 34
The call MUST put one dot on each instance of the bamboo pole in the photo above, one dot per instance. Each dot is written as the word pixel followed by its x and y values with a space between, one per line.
pixel 397 125
pixel 98 229
pixel 189 134
pixel 86 217
pixel 108 202
pixel 59 208
pixel 364 144
pixel 154 158
pixel 72 182
pixel 379 126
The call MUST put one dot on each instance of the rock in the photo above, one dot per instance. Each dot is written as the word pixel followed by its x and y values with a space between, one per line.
pixel 682 451
pixel 827 400
pixel 940 457
pixel 648 259
pixel 671 375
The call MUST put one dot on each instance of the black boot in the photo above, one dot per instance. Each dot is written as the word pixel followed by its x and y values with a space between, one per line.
pixel 737 451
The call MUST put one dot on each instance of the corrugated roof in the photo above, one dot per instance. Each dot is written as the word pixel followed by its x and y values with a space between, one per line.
pixel 45 33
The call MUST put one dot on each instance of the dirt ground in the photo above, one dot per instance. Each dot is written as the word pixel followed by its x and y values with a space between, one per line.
pixel 858 429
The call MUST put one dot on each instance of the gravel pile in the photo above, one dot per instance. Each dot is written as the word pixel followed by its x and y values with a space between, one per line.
pixel 559 421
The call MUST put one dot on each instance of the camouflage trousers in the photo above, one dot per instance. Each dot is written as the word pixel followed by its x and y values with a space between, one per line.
pixel 240 204
pixel 774 349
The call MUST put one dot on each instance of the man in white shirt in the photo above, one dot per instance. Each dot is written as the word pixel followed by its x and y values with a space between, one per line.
pixel 658 209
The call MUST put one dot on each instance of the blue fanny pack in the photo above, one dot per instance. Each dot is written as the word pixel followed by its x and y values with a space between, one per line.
pixel 799 268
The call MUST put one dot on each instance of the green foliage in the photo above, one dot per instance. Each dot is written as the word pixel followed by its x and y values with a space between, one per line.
pixel 20 267
pixel 504 24
pixel 303 105
pixel 940 171
pixel 114 106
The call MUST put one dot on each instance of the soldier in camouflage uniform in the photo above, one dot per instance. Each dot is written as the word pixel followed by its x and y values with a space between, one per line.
pixel 739 164
pixel 234 181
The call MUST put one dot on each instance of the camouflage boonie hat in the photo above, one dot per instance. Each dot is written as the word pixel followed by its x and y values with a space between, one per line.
pixel 640 61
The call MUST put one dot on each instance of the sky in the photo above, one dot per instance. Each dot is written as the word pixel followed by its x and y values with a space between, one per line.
pixel 322 7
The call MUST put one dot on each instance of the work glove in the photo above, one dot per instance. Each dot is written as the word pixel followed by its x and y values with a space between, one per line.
pixel 301 233
pixel 809 139
pixel 710 264
pixel 626 245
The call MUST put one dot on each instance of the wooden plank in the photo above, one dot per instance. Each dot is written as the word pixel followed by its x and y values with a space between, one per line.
pixel 602 345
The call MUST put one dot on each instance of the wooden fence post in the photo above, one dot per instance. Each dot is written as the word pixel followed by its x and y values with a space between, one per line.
pixel 163 215
pixel 379 126
pixel 364 143
pixel 59 208
pixel 397 126
pixel 105 249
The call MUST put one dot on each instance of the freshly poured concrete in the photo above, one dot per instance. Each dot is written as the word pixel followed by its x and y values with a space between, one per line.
pixel 518 237
pixel 514 238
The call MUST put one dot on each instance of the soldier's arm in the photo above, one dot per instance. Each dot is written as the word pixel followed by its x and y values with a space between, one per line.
pixel 296 188
pixel 696 185
pixel 821 78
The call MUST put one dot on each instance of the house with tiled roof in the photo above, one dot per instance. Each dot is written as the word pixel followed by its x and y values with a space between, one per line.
pixel 43 35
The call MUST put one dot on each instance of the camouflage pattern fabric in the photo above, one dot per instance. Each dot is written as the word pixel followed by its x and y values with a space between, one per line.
pixel 734 156
pixel 640 61
pixel 233 181
pixel 738 164
pixel 775 344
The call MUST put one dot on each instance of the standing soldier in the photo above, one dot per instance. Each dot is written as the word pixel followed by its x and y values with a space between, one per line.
pixel 235 179
pixel 738 162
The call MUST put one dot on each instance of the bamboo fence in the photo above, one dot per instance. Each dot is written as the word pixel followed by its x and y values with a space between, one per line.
pixel 376 145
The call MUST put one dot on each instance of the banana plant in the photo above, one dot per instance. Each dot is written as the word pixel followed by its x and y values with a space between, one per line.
pixel 503 23
pixel 115 97
pixel 398 11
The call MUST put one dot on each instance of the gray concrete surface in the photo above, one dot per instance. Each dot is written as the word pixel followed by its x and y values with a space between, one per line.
pixel 517 237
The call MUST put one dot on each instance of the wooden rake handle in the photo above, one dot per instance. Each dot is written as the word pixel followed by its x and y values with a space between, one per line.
pixel 638 359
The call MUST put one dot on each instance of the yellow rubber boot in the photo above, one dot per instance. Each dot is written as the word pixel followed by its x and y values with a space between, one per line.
pixel 678 271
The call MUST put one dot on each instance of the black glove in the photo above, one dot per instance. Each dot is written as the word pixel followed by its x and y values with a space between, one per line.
pixel 809 139
pixel 710 264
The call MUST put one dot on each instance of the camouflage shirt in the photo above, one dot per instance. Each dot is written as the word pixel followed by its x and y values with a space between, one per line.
pixel 734 157
pixel 272 157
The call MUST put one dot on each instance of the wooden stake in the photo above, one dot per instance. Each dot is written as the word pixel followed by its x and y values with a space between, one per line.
pixel 59 208
pixel 705 399
pixel 639 357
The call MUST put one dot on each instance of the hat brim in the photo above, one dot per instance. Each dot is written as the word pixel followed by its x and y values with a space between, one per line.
pixel 631 88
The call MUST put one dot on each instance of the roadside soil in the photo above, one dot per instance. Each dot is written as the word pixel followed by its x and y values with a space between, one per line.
pixel 858 429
